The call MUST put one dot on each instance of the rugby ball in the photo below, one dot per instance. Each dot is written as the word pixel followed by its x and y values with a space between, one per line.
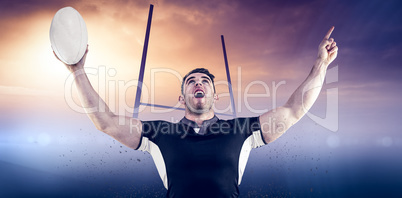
pixel 68 35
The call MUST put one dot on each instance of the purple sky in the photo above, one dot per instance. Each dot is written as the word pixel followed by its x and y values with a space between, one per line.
pixel 270 41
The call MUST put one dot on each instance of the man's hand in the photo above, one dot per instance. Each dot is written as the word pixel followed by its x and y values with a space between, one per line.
pixel 77 66
pixel 327 50
pixel 105 120
pixel 282 118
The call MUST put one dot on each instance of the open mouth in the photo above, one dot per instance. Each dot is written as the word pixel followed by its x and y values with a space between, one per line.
pixel 199 93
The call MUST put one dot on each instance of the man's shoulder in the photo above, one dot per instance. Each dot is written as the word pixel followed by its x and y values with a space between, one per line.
pixel 152 125
pixel 157 121
pixel 242 124
pixel 240 119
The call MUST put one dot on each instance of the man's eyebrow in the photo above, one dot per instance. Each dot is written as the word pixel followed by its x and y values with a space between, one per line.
pixel 189 79
pixel 206 78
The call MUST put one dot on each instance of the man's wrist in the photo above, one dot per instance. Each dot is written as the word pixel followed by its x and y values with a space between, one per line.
pixel 77 71
pixel 320 63
pixel 74 68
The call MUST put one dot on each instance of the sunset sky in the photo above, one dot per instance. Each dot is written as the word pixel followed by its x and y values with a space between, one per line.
pixel 267 42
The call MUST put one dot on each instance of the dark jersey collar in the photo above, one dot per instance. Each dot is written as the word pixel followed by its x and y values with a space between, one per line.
pixel 203 127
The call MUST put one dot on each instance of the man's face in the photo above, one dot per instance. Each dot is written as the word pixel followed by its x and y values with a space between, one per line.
pixel 198 93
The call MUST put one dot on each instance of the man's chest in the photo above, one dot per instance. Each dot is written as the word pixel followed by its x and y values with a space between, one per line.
pixel 201 152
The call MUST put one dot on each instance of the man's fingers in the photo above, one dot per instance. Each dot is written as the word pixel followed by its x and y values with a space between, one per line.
pixel 84 57
pixel 327 43
pixel 330 45
pixel 86 51
pixel 56 56
pixel 329 33
pixel 333 44
pixel 334 49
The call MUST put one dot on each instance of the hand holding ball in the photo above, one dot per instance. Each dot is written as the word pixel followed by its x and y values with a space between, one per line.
pixel 68 35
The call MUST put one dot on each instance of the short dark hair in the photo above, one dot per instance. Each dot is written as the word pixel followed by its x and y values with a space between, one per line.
pixel 198 70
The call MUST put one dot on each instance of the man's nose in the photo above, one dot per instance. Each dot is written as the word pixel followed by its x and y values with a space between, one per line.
pixel 198 84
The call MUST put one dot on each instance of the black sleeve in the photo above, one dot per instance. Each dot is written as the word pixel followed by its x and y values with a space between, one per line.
pixel 154 129
pixel 149 130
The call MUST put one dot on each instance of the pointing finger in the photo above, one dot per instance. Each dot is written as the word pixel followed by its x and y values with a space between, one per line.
pixel 329 32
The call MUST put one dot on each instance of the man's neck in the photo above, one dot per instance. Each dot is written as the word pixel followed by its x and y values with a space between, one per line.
pixel 199 118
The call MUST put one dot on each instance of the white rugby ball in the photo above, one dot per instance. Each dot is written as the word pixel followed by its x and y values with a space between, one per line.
pixel 68 35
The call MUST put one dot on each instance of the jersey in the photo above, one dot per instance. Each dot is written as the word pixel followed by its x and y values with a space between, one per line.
pixel 208 161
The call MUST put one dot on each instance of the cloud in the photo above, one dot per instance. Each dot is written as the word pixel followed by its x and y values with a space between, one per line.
pixel 23 91
pixel 370 94
pixel 270 40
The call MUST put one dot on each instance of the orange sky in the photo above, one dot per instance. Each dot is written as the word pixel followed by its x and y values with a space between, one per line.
pixel 180 40
pixel 267 45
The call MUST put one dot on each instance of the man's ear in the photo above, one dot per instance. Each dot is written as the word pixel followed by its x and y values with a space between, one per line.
pixel 216 97
pixel 181 99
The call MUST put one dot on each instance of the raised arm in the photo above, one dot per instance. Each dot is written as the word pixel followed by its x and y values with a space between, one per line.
pixel 275 122
pixel 98 111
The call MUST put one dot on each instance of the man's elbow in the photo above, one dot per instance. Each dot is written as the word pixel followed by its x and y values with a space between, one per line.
pixel 101 124
pixel 295 112
pixel 269 140
pixel 296 115
pixel 101 127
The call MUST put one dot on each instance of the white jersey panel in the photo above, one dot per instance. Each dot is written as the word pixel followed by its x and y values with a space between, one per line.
pixel 156 154
pixel 253 141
